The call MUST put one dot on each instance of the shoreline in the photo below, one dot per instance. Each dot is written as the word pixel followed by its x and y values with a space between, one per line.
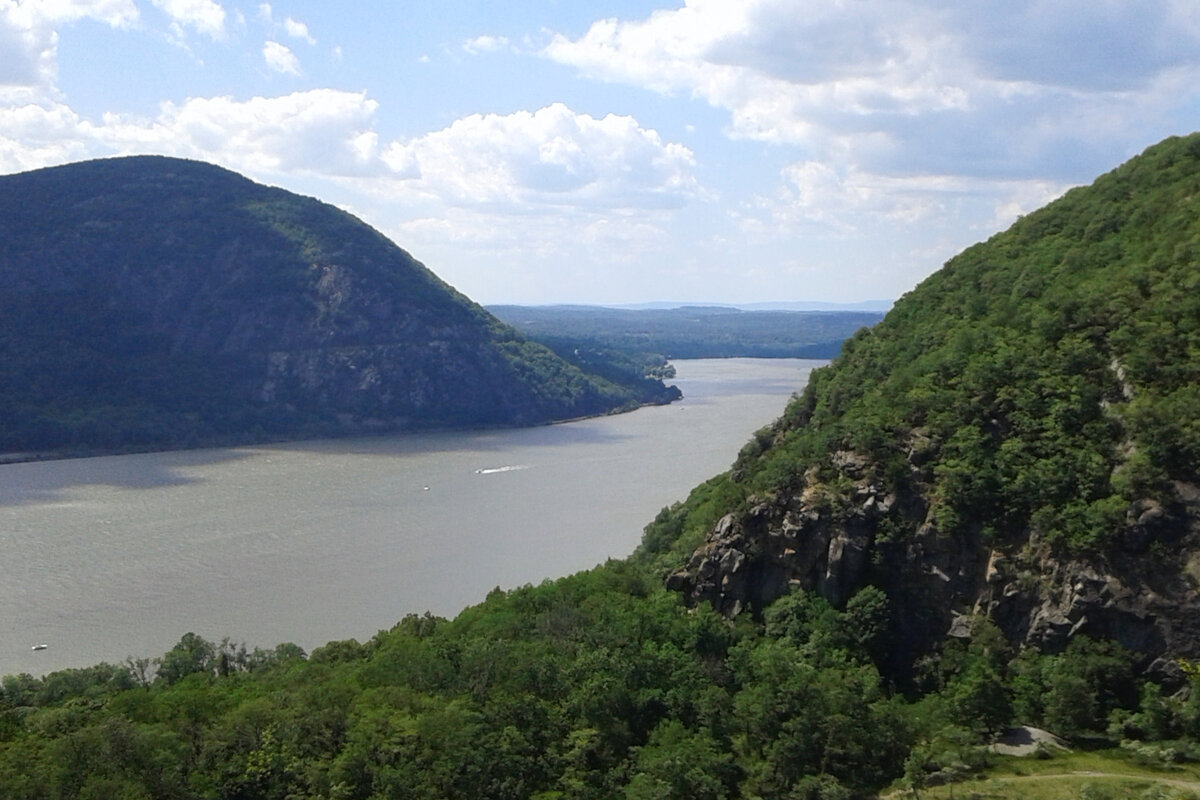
pixel 7 459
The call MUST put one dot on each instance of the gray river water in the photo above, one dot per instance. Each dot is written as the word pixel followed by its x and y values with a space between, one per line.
pixel 104 558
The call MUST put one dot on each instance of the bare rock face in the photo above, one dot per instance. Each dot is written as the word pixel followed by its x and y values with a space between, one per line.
pixel 1145 597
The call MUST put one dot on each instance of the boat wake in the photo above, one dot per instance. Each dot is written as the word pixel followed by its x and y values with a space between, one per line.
pixel 494 470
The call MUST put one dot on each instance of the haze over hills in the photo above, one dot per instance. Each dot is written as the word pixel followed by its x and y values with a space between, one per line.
pixel 691 331
pixel 880 306
pixel 157 302
pixel 984 512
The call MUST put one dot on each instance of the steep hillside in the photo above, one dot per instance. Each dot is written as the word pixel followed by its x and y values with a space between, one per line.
pixel 1019 437
pixel 158 302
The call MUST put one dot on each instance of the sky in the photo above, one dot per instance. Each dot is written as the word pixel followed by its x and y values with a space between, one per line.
pixel 623 151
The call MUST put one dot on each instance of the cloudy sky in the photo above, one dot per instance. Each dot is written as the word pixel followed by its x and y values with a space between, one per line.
pixel 621 151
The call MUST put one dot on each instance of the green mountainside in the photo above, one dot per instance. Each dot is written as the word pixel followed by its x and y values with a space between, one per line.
pixel 690 331
pixel 156 302
pixel 1020 436
pixel 984 513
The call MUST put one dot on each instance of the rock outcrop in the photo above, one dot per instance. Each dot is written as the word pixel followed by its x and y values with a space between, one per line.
pixel 1146 597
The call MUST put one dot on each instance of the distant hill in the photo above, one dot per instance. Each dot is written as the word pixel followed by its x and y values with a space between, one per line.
pixel 691 331
pixel 778 305
pixel 156 302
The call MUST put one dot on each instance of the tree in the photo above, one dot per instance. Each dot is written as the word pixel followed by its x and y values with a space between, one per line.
pixel 192 655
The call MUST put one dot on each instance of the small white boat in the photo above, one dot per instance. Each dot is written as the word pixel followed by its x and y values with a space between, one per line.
pixel 39 647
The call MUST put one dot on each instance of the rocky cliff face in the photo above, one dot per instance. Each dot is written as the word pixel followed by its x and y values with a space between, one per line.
pixel 1145 593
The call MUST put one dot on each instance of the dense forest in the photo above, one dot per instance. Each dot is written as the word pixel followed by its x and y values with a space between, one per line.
pixel 153 302
pixel 690 331
pixel 885 579
pixel 600 685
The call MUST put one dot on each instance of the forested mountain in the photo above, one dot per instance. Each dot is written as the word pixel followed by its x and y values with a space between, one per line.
pixel 157 302
pixel 1020 437
pixel 986 511
pixel 690 331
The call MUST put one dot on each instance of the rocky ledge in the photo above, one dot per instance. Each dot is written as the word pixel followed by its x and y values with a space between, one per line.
pixel 1143 594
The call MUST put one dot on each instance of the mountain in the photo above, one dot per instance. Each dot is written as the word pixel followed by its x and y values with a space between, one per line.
pixel 1018 439
pixel 954 529
pixel 690 331
pixel 157 302
pixel 879 306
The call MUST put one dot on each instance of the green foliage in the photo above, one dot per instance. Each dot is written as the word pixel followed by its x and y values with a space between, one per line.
pixel 151 302
pixel 1040 381
pixel 598 685
pixel 681 528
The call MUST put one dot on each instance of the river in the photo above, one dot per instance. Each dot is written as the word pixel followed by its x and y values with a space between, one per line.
pixel 308 542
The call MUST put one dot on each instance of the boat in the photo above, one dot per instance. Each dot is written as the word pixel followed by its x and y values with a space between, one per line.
pixel 39 647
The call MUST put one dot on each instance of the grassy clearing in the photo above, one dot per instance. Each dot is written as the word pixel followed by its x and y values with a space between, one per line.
pixel 1096 775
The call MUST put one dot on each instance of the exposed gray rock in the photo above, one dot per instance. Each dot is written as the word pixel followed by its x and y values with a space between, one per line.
pixel 937 580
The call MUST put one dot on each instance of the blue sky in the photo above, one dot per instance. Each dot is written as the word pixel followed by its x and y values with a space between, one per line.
pixel 623 151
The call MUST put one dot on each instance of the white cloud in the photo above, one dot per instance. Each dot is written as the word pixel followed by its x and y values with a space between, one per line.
pixel 116 13
pixel 33 136
pixel 485 44
pixel 992 88
pixel 280 58
pixel 292 27
pixel 816 197
pixel 321 132
pixel 29 41
pixel 298 30
pixel 28 45
pixel 205 16
pixel 553 157
pixel 913 115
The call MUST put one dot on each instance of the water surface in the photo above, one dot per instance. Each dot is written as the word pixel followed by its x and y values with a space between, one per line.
pixel 118 556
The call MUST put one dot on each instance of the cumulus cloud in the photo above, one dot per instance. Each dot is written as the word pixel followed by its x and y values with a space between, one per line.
pixel 873 85
pixel 280 58
pixel 298 30
pixel 33 136
pixel 205 16
pixel 817 197
pixel 321 132
pixel 292 27
pixel 28 39
pixel 27 47
pixel 485 44
pixel 116 13
pixel 552 156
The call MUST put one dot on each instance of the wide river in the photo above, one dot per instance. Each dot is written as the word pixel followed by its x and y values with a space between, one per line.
pixel 117 556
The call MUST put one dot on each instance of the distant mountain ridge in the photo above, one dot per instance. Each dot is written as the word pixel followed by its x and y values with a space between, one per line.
pixel 878 305
pixel 690 331
pixel 158 302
